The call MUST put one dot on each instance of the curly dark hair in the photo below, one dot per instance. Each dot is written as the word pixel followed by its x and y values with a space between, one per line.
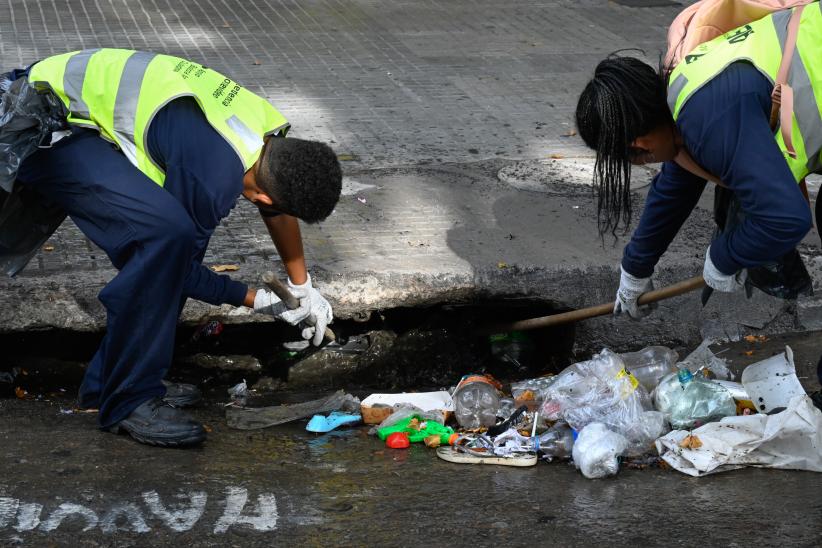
pixel 625 99
pixel 303 177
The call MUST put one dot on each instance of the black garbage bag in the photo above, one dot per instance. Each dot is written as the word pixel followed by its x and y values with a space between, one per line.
pixel 27 121
pixel 785 278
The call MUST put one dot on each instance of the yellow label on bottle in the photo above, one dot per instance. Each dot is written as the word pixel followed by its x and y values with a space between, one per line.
pixel 631 380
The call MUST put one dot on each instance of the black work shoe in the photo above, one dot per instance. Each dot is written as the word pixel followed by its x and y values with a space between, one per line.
pixel 157 423
pixel 181 395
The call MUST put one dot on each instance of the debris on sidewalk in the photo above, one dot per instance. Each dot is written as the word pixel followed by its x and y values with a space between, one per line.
pixel 601 413
pixel 476 401
pixel 322 424
pixel 212 328
pixel 650 364
pixel 472 452
pixel 689 400
pixel 702 359
pixel 377 407
pixel 772 383
pixel 225 267
pixel 238 394
pixel 252 418
pixel 601 390
pixel 597 449
pixel 531 391
pixel 791 439
pixel 238 362
pixel 417 428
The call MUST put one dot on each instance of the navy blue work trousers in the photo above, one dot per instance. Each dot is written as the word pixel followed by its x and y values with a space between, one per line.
pixel 150 239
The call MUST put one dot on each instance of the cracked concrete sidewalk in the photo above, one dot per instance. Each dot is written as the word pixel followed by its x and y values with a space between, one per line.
pixel 464 178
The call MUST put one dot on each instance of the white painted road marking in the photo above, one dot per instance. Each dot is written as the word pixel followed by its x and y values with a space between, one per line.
pixel 179 516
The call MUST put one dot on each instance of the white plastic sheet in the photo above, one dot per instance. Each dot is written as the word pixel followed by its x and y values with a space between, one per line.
pixel 791 440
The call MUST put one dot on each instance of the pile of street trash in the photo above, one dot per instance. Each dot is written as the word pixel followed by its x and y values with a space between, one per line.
pixel 638 407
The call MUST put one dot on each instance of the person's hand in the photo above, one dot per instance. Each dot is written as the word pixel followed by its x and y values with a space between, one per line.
pixel 719 281
pixel 320 313
pixel 630 288
pixel 267 302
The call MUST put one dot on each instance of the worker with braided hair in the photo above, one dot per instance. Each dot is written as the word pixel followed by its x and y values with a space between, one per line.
pixel 710 118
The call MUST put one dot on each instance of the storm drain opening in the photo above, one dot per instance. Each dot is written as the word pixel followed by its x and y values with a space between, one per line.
pixel 396 349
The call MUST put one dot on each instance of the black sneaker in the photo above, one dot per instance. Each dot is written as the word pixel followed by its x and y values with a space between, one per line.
pixel 177 395
pixel 155 422
pixel 181 395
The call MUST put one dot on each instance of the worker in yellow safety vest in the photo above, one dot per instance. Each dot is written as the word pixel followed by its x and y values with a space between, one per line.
pixel 156 150
pixel 742 111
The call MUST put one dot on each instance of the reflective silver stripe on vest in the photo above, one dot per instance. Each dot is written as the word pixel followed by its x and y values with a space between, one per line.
pixel 806 111
pixel 675 89
pixel 251 140
pixel 780 22
pixel 73 79
pixel 128 92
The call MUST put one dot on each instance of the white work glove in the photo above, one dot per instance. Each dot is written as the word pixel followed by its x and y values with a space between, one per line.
pixel 630 288
pixel 727 283
pixel 320 313
pixel 267 302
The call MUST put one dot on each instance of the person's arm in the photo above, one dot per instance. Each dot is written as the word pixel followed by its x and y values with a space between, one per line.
pixel 673 195
pixel 205 285
pixel 285 233
pixel 738 146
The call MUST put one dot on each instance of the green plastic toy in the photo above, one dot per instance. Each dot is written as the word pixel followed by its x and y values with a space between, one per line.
pixel 431 428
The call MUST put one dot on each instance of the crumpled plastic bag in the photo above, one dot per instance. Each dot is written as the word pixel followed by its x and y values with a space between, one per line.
pixel 27 121
pixel 601 390
pixel 702 357
pixel 511 441
pixel 597 449
pixel 402 411
pixel 791 440
pixel 252 418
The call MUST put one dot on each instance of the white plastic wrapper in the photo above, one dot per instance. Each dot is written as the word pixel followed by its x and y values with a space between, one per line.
pixel 597 450
pixel 601 390
pixel 790 440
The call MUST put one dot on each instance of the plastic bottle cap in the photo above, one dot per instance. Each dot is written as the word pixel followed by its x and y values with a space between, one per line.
pixel 685 376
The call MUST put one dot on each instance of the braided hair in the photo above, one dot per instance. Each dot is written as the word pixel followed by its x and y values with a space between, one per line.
pixel 624 100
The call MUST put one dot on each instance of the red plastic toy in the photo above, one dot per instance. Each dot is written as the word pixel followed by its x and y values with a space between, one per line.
pixel 398 440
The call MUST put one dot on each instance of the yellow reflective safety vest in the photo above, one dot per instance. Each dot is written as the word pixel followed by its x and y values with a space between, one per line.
pixel 118 92
pixel 761 43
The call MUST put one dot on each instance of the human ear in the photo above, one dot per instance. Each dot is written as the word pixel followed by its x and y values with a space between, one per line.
pixel 264 198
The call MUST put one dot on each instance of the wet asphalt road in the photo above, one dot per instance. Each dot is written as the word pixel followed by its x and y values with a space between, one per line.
pixel 284 486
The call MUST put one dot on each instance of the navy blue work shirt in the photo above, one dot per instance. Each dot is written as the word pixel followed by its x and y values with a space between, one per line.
pixel 725 126
pixel 205 174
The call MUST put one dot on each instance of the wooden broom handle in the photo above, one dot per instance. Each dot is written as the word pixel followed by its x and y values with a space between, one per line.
pixel 680 288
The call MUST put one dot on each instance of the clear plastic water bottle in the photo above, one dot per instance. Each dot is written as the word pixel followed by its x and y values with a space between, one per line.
pixel 476 402
pixel 557 442
pixel 650 364
pixel 700 401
